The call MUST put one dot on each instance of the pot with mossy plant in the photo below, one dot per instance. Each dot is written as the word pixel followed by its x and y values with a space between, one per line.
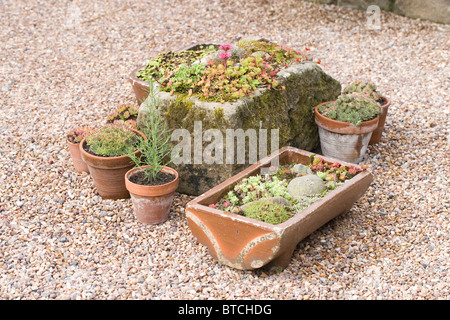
pixel 346 125
pixel 370 89
pixel 106 152
pixel 256 218
pixel 124 114
pixel 73 139
pixel 152 184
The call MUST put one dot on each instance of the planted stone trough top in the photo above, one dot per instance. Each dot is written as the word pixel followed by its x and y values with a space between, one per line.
pixel 233 105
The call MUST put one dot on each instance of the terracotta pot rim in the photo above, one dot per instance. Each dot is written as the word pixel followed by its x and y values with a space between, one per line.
pixel 99 158
pixel 134 78
pixel 388 102
pixel 72 143
pixel 341 126
pixel 155 190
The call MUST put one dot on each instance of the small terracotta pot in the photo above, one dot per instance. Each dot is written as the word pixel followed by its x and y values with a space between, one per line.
pixel 108 173
pixel 152 203
pixel 376 135
pixel 78 162
pixel 74 149
pixel 344 140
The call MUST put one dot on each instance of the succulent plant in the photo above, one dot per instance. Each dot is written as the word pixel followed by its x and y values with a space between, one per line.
pixel 165 64
pixel 351 107
pixel 251 196
pixel 363 87
pixel 76 135
pixel 123 114
pixel 112 140
pixel 221 73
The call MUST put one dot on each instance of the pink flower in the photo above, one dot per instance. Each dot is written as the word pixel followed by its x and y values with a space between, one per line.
pixel 225 46
pixel 224 55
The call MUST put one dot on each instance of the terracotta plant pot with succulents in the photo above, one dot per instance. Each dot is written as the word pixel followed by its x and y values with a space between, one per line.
pixel 73 139
pixel 152 184
pixel 255 234
pixel 346 126
pixel 106 152
pixel 370 90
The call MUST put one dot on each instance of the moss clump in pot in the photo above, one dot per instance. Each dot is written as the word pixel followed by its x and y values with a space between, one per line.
pixel 353 108
pixel 267 211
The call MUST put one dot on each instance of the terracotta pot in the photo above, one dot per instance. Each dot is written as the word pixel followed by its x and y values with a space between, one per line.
pixel 244 243
pixel 108 173
pixel 344 140
pixel 78 162
pixel 151 203
pixel 74 149
pixel 141 88
pixel 376 135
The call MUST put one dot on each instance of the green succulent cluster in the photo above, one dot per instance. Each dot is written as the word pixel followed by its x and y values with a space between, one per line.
pixel 353 108
pixel 251 197
pixel 363 87
pixel 124 112
pixel 277 56
pixel 251 189
pixel 165 64
pixel 220 83
pixel 112 141
pixel 249 65
pixel 185 78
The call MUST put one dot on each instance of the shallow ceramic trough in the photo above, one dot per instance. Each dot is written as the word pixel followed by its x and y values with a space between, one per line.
pixel 246 244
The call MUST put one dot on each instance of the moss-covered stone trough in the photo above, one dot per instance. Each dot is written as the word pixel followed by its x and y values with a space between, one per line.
pixel 209 157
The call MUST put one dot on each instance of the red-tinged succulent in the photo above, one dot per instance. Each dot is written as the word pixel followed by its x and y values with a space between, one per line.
pixel 225 47
pixel 76 135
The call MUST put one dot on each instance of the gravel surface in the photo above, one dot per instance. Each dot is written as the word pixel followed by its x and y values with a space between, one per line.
pixel 65 64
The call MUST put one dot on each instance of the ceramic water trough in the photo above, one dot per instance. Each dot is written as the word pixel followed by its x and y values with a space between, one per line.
pixel 246 244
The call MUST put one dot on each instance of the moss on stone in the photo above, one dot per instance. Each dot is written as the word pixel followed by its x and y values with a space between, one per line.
pixel 182 113
pixel 268 111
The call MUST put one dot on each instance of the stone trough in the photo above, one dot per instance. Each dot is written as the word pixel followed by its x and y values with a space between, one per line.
pixel 276 117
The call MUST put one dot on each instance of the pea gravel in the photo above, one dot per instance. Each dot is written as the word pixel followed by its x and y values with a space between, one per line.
pixel 65 64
